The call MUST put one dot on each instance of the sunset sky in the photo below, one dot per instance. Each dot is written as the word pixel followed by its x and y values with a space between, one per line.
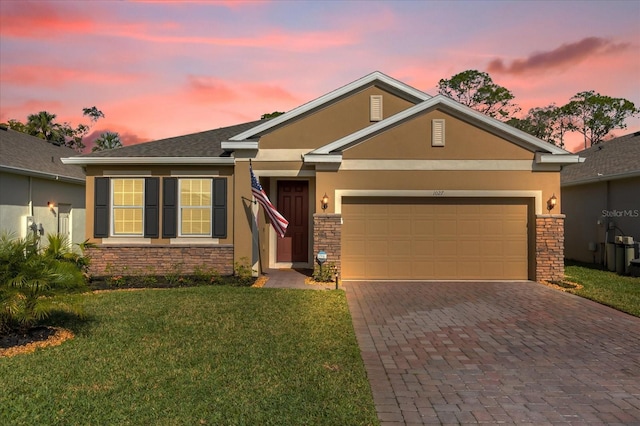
pixel 161 69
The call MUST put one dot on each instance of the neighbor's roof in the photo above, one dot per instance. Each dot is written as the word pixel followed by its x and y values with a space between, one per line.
pixel 615 159
pixel 202 145
pixel 28 155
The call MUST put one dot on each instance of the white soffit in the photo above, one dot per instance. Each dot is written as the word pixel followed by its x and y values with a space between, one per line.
pixel 399 86
pixel 558 158
pixel 233 145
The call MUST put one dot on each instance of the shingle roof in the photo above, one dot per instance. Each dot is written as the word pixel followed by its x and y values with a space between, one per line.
pixel 26 154
pixel 202 144
pixel 613 159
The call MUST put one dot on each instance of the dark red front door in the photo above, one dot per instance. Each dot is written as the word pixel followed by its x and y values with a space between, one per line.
pixel 293 204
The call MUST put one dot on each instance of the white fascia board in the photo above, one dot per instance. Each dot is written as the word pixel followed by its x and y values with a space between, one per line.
pixel 542 158
pixel 450 106
pixel 42 175
pixel 368 79
pixel 148 160
pixel 322 159
pixel 238 145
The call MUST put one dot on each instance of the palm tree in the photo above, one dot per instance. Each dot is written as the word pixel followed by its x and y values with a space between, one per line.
pixel 43 126
pixel 107 140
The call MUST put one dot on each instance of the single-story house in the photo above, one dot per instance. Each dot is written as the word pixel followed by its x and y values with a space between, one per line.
pixel 601 198
pixel 37 192
pixel 417 187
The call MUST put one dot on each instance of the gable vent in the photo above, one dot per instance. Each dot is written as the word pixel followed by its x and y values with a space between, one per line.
pixel 437 132
pixel 375 107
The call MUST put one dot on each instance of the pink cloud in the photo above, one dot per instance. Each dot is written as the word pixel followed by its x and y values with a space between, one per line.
pixel 563 56
pixel 42 19
pixel 209 90
pixel 52 76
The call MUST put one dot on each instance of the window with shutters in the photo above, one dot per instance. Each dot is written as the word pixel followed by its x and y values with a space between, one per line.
pixel 195 207
pixel 128 206
pixel 131 207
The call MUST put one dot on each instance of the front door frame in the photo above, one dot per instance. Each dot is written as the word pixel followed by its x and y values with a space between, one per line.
pixel 273 238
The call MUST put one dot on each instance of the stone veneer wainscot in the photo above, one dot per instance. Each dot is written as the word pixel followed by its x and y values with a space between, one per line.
pixel 158 259
pixel 550 247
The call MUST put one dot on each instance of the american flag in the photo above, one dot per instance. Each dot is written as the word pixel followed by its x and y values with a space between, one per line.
pixel 278 221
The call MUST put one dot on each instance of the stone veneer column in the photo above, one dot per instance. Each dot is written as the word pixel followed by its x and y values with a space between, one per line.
pixel 550 247
pixel 327 236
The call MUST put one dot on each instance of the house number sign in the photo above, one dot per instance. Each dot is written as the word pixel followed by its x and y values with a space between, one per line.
pixel 438 193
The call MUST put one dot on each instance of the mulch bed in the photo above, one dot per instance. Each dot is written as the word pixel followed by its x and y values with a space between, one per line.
pixel 562 285
pixel 16 343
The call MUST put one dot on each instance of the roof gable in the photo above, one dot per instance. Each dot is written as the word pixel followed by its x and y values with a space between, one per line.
pixel 455 109
pixel 384 81
pixel 25 154
pixel 413 140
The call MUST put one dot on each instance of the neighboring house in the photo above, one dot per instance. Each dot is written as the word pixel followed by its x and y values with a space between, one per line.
pixel 418 187
pixel 602 198
pixel 37 191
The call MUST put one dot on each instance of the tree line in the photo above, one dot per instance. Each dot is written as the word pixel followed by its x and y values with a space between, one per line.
pixel 44 126
pixel 589 113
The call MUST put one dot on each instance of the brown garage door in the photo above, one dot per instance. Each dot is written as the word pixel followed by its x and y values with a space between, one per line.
pixel 405 238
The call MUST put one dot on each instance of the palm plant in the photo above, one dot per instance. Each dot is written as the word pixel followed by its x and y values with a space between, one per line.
pixel 107 140
pixel 30 280
pixel 42 125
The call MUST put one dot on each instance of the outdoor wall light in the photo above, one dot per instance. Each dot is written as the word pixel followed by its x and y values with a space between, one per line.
pixel 51 205
pixel 324 202
pixel 551 202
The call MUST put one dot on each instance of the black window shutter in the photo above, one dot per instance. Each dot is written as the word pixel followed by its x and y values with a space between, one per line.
pixel 151 207
pixel 169 207
pixel 101 208
pixel 219 210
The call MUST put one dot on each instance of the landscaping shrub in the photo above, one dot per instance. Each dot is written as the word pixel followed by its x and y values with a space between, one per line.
pixel 324 273
pixel 242 273
pixel 31 278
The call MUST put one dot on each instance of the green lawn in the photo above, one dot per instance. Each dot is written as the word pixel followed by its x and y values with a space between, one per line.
pixel 608 288
pixel 203 355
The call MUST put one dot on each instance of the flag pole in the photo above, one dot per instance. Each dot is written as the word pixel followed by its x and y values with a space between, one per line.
pixel 256 237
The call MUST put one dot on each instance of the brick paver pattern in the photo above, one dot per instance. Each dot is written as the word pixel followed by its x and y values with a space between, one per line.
pixel 495 352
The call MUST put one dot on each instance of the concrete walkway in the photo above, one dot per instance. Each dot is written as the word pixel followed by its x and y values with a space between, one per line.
pixel 292 278
pixel 495 352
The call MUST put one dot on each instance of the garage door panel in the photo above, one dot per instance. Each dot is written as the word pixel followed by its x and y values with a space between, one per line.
pixel 401 226
pixel 432 239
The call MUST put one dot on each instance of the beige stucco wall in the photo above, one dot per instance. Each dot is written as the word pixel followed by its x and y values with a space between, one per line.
pixel 412 140
pixel 472 180
pixel 340 119
pixel 591 208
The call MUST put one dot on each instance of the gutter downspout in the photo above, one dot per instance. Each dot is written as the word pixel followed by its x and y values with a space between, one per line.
pixel 30 199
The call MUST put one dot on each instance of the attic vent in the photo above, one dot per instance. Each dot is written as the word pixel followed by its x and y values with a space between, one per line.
pixel 375 107
pixel 437 132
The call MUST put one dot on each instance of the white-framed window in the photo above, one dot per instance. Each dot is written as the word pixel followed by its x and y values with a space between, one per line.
pixel 194 208
pixel 127 195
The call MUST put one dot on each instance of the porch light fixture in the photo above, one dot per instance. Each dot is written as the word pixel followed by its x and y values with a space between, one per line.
pixel 324 202
pixel 51 205
pixel 551 202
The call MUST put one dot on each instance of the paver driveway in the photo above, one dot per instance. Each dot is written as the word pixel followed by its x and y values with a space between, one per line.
pixel 495 352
